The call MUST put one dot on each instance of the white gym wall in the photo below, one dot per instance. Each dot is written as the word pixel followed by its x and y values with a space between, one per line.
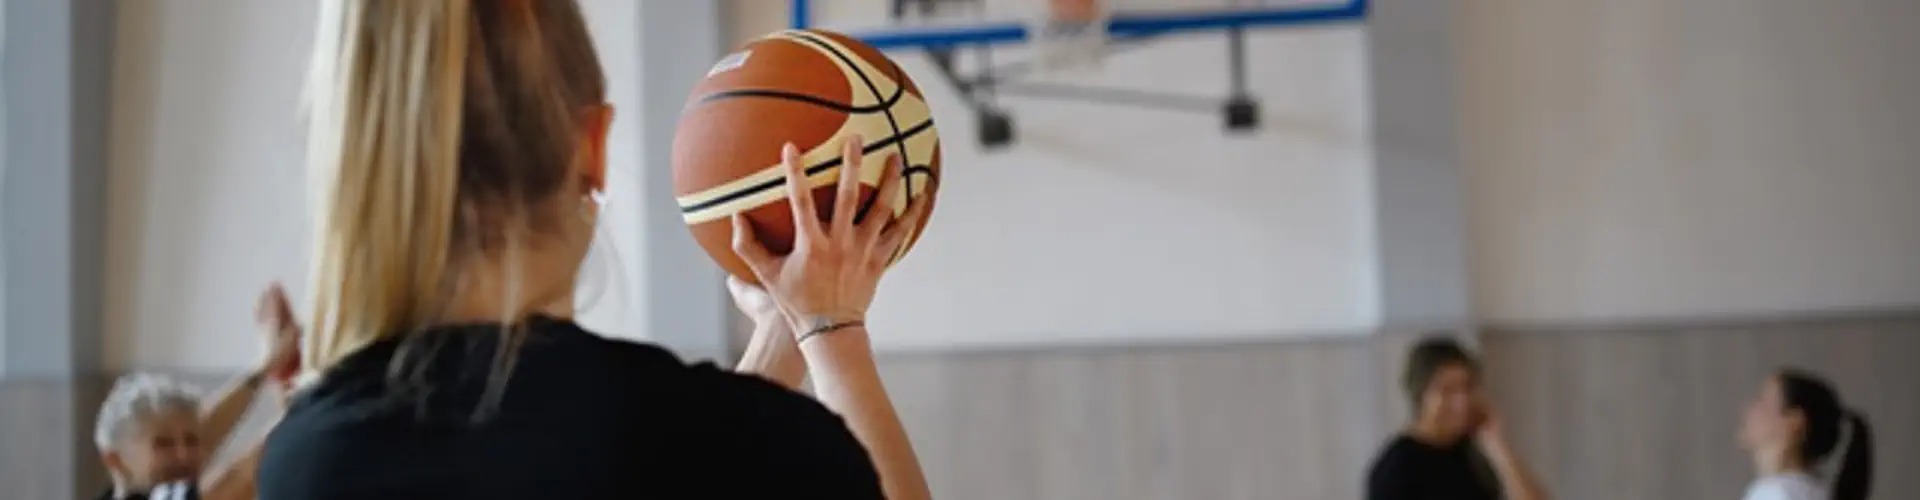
pixel 208 181
pixel 206 200
pixel 1115 224
pixel 1646 160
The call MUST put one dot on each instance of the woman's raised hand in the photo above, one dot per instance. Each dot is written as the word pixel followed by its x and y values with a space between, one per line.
pixel 835 267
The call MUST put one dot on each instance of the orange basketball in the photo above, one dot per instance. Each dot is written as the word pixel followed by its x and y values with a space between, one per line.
pixel 814 89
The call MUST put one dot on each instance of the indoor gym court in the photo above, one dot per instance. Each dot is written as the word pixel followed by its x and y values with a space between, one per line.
pixel 1184 262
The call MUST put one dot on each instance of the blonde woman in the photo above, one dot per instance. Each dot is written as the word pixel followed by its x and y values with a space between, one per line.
pixel 459 146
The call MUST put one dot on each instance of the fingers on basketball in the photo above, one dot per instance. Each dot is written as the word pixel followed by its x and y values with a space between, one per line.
pixel 900 230
pixel 879 213
pixel 847 197
pixel 800 198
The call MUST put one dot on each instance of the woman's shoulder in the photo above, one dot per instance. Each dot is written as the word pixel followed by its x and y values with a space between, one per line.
pixel 705 388
pixel 752 422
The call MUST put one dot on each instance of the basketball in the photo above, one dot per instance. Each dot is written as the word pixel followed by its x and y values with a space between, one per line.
pixel 817 90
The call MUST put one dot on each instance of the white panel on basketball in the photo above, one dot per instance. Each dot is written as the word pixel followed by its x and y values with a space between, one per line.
pixel 1109 223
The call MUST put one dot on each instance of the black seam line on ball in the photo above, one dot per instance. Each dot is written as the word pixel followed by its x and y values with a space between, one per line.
pixel 804 98
pixel 899 87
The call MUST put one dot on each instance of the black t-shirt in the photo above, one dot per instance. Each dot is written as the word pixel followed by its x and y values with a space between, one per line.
pixel 184 490
pixel 1411 470
pixel 580 416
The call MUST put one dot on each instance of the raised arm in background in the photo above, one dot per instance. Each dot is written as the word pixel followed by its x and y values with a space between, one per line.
pixel 274 316
pixel 229 406
pixel 1517 480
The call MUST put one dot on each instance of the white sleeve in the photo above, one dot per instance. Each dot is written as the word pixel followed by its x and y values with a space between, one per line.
pixel 1766 490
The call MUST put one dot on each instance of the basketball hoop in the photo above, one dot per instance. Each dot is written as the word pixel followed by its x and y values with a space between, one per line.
pixel 1070 34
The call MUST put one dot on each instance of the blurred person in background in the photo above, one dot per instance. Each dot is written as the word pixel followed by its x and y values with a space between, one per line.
pixel 1795 423
pixel 1455 448
pixel 155 435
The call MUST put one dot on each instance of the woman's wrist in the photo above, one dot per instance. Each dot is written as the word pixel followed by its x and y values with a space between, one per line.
pixel 769 321
pixel 803 321
pixel 837 345
pixel 824 326
pixel 841 361
pixel 771 354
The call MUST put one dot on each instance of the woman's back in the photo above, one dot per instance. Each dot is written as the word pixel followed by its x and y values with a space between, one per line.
pixel 580 417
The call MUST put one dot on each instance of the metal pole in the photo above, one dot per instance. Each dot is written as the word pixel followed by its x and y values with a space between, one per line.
pixel 1237 61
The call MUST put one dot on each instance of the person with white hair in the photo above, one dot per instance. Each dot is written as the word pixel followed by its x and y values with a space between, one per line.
pixel 155 435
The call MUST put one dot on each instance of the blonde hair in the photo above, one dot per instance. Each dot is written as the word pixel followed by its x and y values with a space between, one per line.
pixel 440 129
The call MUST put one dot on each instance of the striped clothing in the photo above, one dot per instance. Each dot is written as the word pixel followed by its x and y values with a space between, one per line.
pixel 181 490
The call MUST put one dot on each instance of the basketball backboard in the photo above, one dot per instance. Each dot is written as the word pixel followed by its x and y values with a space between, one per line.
pixel 1015 39
pixel 895 24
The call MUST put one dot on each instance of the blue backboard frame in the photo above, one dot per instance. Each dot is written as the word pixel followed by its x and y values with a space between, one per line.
pixel 1121 25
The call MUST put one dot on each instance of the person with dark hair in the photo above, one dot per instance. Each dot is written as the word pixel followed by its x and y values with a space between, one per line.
pixel 1455 448
pixel 1794 424
pixel 459 151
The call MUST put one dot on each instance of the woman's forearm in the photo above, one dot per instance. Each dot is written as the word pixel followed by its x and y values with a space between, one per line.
pixel 772 354
pixel 236 482
pixel 846 380
pixel 219 419
pixel 1516 479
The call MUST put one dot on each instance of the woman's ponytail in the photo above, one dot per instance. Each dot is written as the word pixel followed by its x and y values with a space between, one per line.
pixel 386 104
pixel 1855 479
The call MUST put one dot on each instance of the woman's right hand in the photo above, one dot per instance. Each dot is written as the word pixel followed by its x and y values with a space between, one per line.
pixel 834 269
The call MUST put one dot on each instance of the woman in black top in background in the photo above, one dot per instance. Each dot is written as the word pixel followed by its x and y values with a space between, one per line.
pixel 1445 452
pixel 459 149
